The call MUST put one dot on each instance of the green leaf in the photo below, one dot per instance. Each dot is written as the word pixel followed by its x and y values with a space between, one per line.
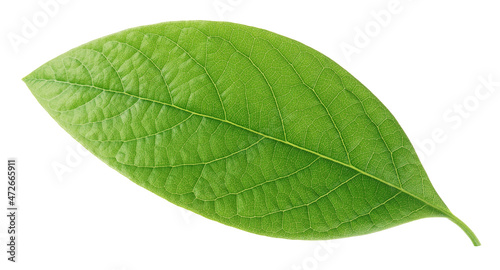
pixel 242 126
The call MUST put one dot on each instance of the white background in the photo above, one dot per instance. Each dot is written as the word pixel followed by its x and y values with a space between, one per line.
pixel 423 63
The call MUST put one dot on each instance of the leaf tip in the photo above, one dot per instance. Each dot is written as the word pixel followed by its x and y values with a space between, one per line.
pixel 26 78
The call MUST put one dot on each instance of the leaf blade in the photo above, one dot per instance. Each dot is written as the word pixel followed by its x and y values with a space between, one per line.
pixel 205 78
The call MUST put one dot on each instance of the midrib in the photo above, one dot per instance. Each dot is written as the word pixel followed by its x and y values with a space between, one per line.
pixel 445 212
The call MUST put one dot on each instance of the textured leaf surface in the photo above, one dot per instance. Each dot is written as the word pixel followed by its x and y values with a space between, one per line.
pixel 242 126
